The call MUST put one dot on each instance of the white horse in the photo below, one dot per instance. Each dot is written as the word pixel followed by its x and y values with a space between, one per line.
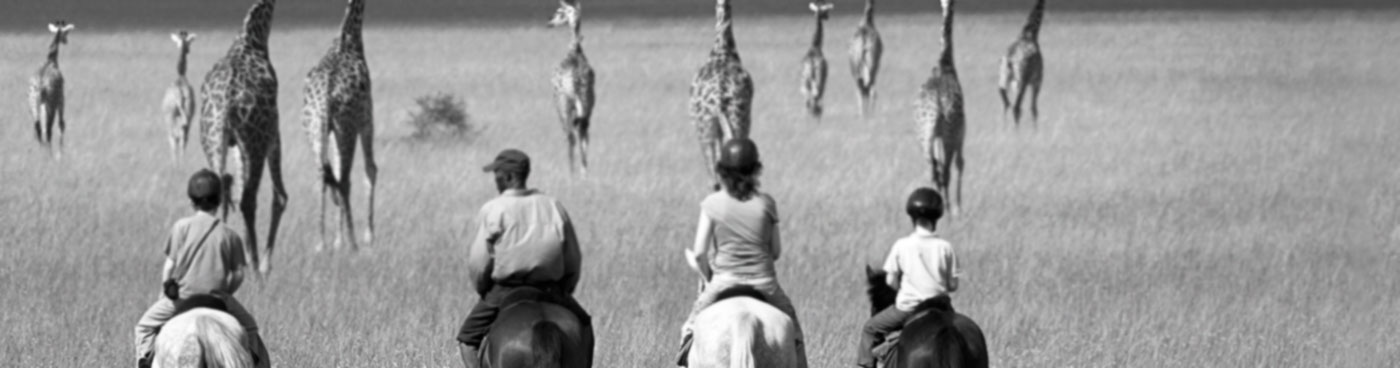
pixel 744 332
pixel 202 337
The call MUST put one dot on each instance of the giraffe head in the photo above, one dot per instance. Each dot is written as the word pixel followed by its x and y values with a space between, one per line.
pixel 821 9
pixel 258 24
pixel 182 40
pixel 567 14
pixel 60 30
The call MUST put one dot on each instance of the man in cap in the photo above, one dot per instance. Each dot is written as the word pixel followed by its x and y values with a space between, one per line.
pixel 524 239
pixel 202 257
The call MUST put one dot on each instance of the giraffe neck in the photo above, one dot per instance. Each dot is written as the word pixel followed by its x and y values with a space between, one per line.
pixel 53 48
pixel 1032 30
pixel 258 24
pixel 724 36
pixel 350 28
pixel 817 37
pixel 577 44
pixel 946 58
pixel 869 13
pixel 184 51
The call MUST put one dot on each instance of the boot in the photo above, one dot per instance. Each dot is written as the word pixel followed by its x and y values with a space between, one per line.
pixel 683 359
pixel 470 357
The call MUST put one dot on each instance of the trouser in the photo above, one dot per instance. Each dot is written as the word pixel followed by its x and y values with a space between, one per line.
pixel 768 286
pixel 164 309
pixel 478 322
pixel 889 320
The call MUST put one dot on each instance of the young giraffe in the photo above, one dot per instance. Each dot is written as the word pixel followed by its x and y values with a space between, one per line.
pixel 940 117
pixel 338 112
pixel 814 65
pixel 1023 67
pixel 721 94
pixel 865 52
pixel 178 104
pixel 239 111
pixel 573 86
pixel 46 92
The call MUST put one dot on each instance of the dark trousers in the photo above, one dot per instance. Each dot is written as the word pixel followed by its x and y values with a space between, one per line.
pixel 484 313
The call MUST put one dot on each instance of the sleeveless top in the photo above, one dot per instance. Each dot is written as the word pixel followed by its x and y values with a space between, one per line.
pixel 742 230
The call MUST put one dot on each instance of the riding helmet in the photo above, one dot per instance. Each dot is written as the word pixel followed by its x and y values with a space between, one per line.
pixel 739 153
pixel 924 203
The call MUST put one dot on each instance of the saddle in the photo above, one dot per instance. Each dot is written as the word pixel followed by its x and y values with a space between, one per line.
pixel 200 301
pixel 886 350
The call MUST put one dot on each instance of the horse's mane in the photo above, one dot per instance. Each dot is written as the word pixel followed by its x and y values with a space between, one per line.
pixel 741 291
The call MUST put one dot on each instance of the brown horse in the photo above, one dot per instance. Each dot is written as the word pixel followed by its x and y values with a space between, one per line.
pixel 532 333
pixel 939 339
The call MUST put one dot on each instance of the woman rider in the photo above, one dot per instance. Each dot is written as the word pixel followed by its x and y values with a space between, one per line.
pixel 736 241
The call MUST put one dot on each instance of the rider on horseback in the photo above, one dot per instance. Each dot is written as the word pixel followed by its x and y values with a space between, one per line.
pixel 524 239
pixel 202 257
pixel 736 241
pixel 921 266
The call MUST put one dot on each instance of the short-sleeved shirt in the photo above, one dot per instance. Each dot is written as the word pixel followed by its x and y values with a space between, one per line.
pixel 202 264
pixel 742 234
pixel 525 237
pixel 927 268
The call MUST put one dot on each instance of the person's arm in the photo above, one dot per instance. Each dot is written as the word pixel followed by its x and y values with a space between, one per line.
pixel 234 278
pixel 950 261
pixel 892 271
pixel 773 238
pixel 573 256
pixel 167 269
pixel 479 253
pixel 698 254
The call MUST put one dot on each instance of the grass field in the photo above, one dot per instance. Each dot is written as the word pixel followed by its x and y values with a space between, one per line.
pixel 1204 190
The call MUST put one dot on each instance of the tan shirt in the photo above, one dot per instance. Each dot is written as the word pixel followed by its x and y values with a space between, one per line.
pixel 925 267
pixel 204 268
pixel 523 236
pixel 743 234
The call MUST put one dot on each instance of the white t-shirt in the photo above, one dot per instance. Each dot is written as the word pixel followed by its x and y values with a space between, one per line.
pixel 925 267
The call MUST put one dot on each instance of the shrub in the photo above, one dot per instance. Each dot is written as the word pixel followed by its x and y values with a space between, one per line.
pixel 441 115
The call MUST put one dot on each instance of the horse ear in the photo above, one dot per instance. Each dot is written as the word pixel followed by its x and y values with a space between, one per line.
pixel 53 27
pixel 176 37
pixel 813 6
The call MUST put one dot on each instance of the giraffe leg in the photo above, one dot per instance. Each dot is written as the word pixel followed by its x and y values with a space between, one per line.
pixel 583 146
pixel 958 162
pixel 371 177
pixel 1005 103
pixel 279 200
pixel 1035 108
pixel 346 151
pixel 321 241
pixel 571 136
pixel 1019 87
pixel 253 161
pixel 62 130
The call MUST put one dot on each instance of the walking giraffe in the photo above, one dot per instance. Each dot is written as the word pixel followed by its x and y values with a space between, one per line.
pixel 239 111
pixel 814 64
pixel 1023 68
pixel 940 116
pixel 178 105
pixel 573 86
pixel 46 92
pixel 721 94
pixel 865 51
pixel 337 113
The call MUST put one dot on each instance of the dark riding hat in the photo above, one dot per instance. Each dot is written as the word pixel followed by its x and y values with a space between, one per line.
pixel 204 184
pixel 509 160
pixel 924 203
pixel 739 153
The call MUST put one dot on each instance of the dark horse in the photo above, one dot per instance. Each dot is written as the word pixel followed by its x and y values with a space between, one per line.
pixel 532 332
pixel 940 339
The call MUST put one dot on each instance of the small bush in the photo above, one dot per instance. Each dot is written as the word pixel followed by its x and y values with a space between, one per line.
pixel 441 115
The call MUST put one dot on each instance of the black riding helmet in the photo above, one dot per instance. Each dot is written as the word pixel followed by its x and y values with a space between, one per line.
pixel 924 203
pixel 204 186
pixel 739 154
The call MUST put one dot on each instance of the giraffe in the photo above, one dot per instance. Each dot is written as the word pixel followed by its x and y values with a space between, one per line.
pixel 814 64
pixel 46 92
pixel 178 105
pixel 239 113
pixel 573 86
pixel 1023 68
pixel 721 94
pixel 337 113
pixel 940 116
pixel 865 52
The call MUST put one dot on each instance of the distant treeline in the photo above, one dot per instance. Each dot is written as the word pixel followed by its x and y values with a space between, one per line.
pixel 163 14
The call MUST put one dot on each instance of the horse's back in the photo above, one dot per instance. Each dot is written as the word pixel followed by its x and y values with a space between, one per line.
pixel 744 332
pixel 519 327
pixel 202 337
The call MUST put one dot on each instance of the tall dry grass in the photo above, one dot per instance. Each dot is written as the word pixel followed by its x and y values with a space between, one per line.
pixel 1204 190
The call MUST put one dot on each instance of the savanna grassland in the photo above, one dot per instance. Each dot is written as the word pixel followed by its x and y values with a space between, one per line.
pixel 1203 189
